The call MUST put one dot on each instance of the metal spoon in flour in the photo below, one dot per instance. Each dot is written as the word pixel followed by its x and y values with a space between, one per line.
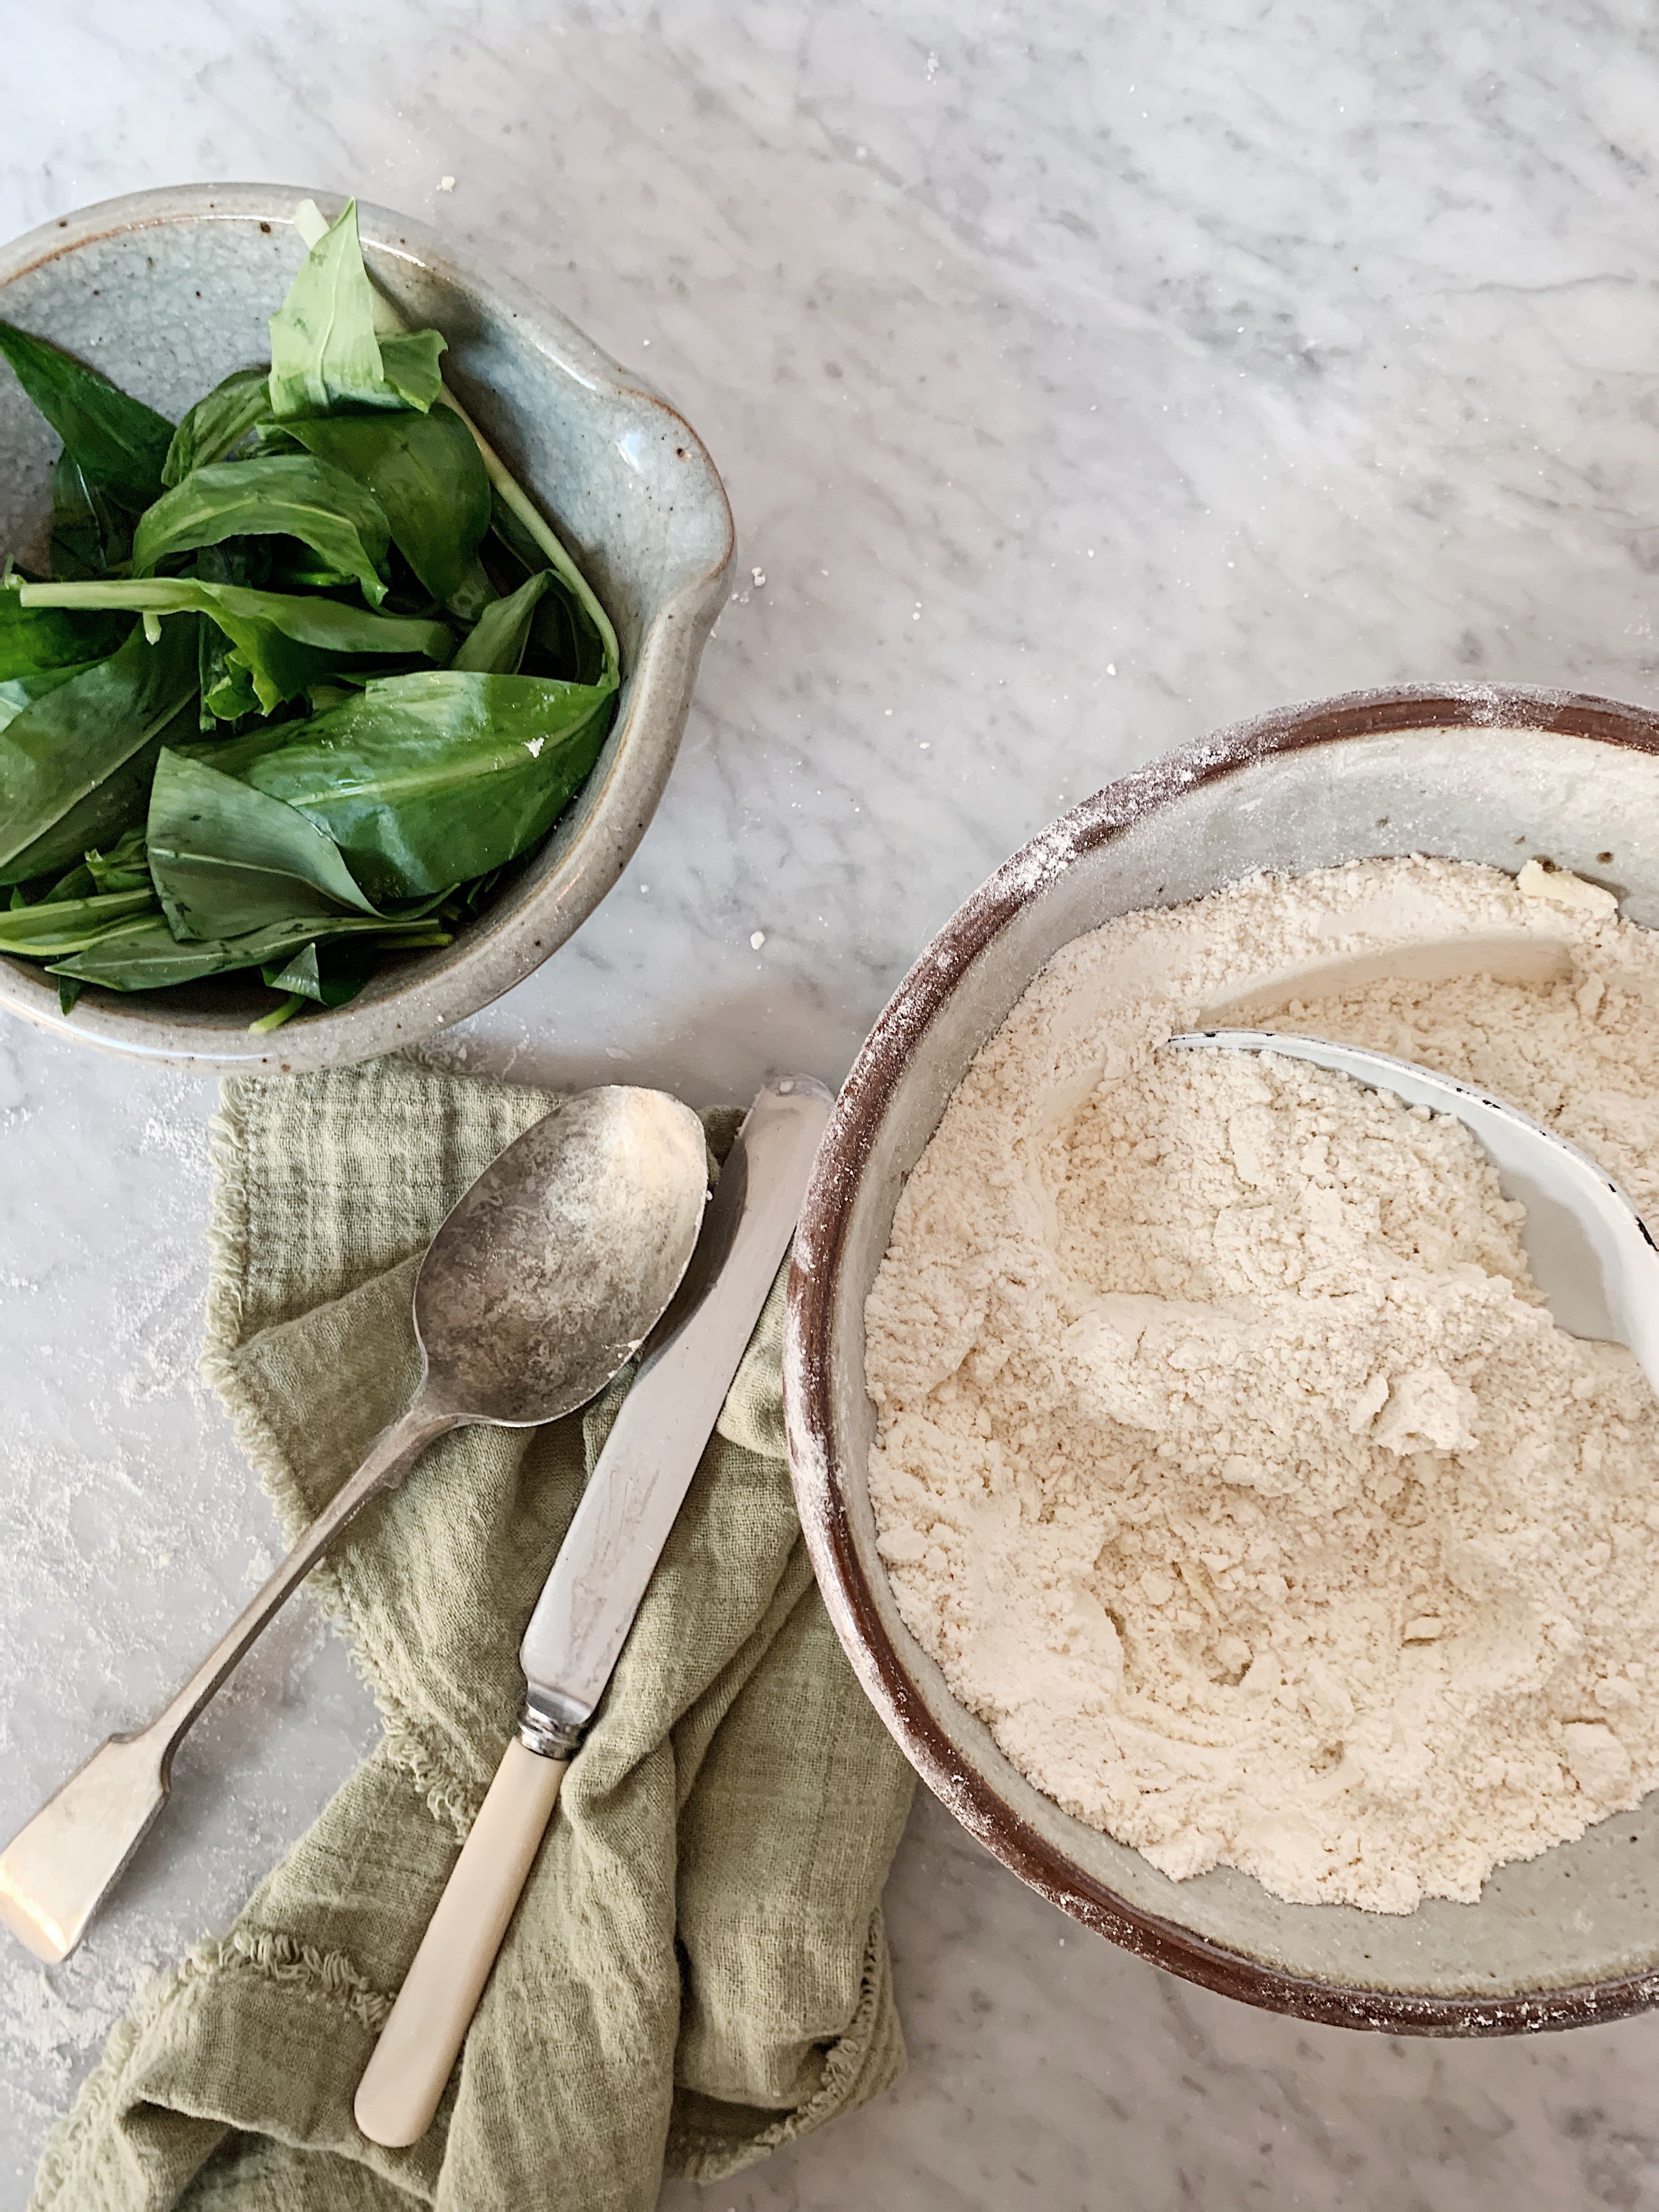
pixel 1589 1248
pixel 546 1277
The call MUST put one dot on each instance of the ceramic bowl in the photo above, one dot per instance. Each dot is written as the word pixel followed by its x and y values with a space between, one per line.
pixel 1488 776
pixel 166 292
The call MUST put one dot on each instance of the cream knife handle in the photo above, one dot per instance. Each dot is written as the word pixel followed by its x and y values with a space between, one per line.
pixel 426 2027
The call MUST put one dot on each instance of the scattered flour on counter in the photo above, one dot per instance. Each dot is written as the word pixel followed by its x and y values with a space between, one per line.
pixel 1229 1461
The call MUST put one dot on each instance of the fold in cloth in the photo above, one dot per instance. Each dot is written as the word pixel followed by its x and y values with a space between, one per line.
pixel 697 1972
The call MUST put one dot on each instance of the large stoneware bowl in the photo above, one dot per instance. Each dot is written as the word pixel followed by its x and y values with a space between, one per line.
pixel 168 291
pixel 1488 776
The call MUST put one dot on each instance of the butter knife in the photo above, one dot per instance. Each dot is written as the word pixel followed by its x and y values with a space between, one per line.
pixel 587 1604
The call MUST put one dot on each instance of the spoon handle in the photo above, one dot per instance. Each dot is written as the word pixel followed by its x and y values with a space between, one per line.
pixel 57 1870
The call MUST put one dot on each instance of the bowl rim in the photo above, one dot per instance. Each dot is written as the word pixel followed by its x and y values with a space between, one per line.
pixel 425 997
pixel 809 1418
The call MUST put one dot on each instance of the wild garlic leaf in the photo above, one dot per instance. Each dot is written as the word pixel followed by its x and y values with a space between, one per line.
pixel 57 927
pixel 91 531
pixel 118 444
pixel 521 525
pixel 33 640
pixel 108 813
pixel 300 975
pixel 495 645
pixel 63 761
pixel 226 682
pixel 124 867
pixel 565 627
pixel 474 592
pixel 79 883
pixel 428 779
pixel 216 425
pixel 287 640
pixel 324 352
pixel 289 495
pixel 145 955
pixel 227 858
pixel 426 473
pixel 410 365
pixel 22 691
pixel 323 347
pixel 328 975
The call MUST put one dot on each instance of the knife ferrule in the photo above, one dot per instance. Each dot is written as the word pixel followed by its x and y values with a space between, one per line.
pixel 553 1725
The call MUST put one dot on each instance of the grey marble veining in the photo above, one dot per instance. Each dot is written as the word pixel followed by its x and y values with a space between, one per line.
pixel 1084 376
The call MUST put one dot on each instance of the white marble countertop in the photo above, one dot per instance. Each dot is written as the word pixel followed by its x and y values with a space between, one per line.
pixel 1084 376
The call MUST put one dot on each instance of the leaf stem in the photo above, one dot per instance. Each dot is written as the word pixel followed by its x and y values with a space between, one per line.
pixel 290 1007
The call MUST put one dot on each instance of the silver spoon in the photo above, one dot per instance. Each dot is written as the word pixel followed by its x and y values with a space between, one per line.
pixel 546 1277
pixel 1589 1248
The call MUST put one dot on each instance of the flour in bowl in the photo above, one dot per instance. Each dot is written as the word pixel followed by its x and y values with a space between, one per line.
pixel 1229 1461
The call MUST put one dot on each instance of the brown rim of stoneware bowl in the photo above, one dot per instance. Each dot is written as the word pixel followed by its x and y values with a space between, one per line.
pixel 808 1410
pixel 409 1000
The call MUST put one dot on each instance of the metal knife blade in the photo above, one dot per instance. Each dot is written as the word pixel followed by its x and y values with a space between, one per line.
pixel 588 1601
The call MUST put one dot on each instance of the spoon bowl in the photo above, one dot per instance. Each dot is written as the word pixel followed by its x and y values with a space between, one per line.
pixel 1589 1249
pixel 551 1271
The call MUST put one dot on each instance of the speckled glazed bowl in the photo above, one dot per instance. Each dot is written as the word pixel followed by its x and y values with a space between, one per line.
pixel 1486 775
pixel 166 292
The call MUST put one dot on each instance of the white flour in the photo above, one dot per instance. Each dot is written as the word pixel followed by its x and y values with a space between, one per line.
pixel 1229 1461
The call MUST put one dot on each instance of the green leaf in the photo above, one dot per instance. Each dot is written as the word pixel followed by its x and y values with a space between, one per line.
pixel 271 438
pixel 425 472
pixel 428 779
pixel 124 867
pixel 57 927
pixel 63 761
pixel 35 640
pixel 474 592
pixel 331 980
pixel 509 493
pixel 409 364
pixel 299 974
pixel 106 814
pixel 118 444
pixel 216 426
pixel 91 531
pixel 226 682
pixel 145 955
pixel 286 642
pixel 226 858
pixel 324 353
pixel 323 348
pixel 68 990
pixel 523 527
pixel 289 495
pixel 496 645
pixel 79 883
pixel 21 691
pixel 564 627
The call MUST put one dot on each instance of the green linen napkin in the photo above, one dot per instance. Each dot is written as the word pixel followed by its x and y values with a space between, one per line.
pixel 697 1972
